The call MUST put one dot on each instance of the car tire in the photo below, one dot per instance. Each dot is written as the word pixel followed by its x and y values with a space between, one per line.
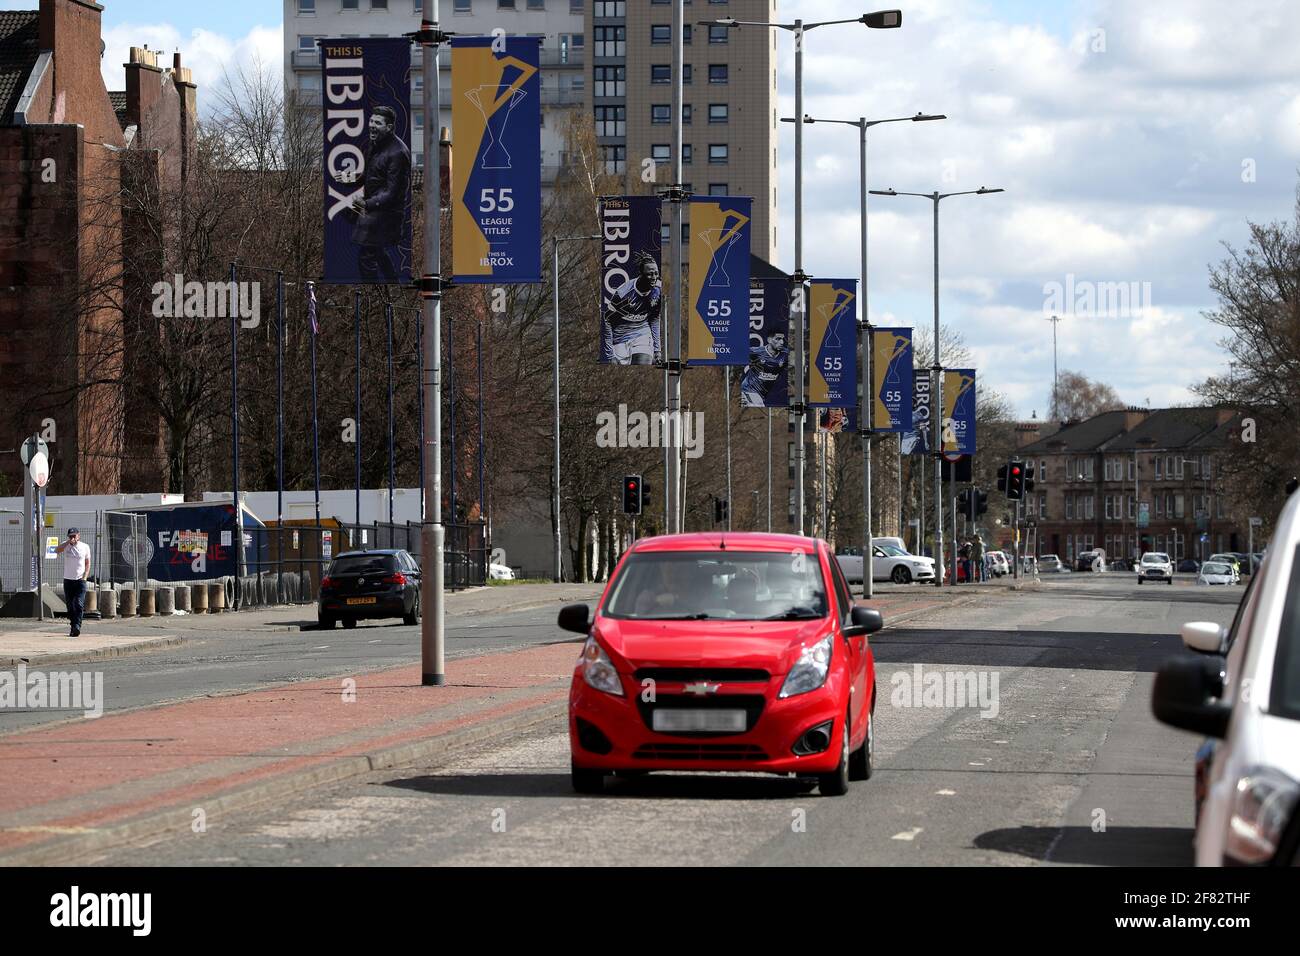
pixel 900 575
pixel 836 783
pixel 414 616
pixel 326 622
pixel 586 781
pixel 862 760
pixel 349 622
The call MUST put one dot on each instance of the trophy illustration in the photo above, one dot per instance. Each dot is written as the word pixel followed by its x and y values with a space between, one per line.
pixel 897 349
pixel 496 107
pixel 830 312
pixel 719 242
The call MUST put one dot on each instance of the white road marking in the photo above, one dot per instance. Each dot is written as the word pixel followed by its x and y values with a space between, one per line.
pixel 907 834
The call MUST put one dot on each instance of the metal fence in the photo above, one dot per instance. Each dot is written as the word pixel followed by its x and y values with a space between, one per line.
pixel 117 541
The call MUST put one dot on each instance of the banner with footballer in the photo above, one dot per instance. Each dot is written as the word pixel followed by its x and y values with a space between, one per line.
pixel 631 301
pixel 766 380
pixel 496 185
pixel 367 169
pixel 718 280
pixel 958 423
pixel 833 343
pixel 916 441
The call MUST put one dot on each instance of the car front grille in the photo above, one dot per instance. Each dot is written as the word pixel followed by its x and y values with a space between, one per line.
pixel 737 752
pixel 719 675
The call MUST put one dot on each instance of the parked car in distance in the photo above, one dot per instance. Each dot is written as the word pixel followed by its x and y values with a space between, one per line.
pixel 500 572
pixel 370 584
pixel 1091 561
pixel 888 563
pixel 1050 564
pixel 1189 566
pixel 998 563
pixel 1216 572
pixel 1155 566
pixel 1227 557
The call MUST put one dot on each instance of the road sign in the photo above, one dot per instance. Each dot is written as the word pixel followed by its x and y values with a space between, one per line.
pixel 40 469
pixel 1256 522
pixel 31 447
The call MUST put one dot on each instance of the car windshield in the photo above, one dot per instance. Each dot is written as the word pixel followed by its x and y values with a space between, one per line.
pixel 731 585
pixel 363 563
pixel 1223 557
pixel 892 551
pixel 1209 568
pixel 1155 557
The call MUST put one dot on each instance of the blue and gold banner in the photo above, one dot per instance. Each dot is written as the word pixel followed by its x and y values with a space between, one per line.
pixel 916 441
pixel 766 381
pixel 719 280
pixel 631 301
pixel 833 343
pixel 958 424
pixel 496 185
pixel 891 363
pixel 367 160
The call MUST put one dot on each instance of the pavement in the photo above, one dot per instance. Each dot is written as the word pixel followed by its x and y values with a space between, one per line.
pixel 151 765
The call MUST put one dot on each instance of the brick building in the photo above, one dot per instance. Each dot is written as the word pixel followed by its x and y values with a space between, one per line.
pixel 67 149
pixel 1094 477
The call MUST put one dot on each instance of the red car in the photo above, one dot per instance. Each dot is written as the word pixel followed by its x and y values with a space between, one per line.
pixel 724 652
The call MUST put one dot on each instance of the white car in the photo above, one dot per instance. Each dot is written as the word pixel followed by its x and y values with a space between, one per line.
pixel 888 563
pixel 1213 572
pixel 999 566
pixel 1249 702
pixel 500 572
pixel 1155 566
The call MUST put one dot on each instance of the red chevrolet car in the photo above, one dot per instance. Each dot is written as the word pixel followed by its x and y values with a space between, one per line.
pixel 724 652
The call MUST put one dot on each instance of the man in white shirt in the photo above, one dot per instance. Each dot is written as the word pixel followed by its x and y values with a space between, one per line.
pixel 76 571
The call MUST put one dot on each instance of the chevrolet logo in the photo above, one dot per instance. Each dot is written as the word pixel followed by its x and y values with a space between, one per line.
pixel 701 688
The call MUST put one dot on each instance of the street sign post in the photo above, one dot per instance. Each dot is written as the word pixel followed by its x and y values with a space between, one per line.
pixel 40 469
pixel 31 447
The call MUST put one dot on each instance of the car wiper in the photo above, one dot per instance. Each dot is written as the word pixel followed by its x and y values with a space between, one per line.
pixel 793 614
pixel 679 617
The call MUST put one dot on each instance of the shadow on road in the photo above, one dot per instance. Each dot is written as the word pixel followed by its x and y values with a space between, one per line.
pixel 646 786
pixel 1028 648
pixel 1081 846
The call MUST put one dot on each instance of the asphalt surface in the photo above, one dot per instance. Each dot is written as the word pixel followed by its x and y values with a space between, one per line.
pixel 1064 765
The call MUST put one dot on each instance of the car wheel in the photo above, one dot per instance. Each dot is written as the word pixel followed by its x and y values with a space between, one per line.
pixel 414 616
pixel 327 621
pixel 860 761
pixel 349 622
pixel 836 783
pixel 1139 582
pixel 586 781
pixel 900 575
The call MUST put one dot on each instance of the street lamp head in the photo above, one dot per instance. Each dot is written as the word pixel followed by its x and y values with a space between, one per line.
pixel 882 192
pixel 728 22
pixel 984 189
pixel 808 119
pixel 882 19
pixel 926 117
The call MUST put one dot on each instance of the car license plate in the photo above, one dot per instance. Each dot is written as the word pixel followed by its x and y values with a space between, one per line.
pixel 365 600
pixel 715 721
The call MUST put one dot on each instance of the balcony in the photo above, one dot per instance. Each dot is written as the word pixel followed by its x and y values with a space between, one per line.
pixel 305 59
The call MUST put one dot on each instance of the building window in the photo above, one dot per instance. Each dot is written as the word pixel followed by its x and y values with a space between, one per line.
pixel 610 81
pixel 611 120
pixel 661 33
pixel 790 466
pixel 718 112
pixel 1160 504
pixel 718 34
pixel 505 4
pixel 1042 506
pixel 306 6
pixel 687 155
pixel 615 158
pixel 1090 500
pixel 378 4
pixel 351 4
pixel 610 41
pixel 1132 470
pixel 577 6
pixel 616 9
pixel 536 4
pixel 661 114
pixel 718 189
pixel 1042 471
pixel 1132 507
pixel 661 73
pixel 1069 507
pixel 717 73
pixel 1158 461
pixel 719 153
pixel 661 152
pixel 686 114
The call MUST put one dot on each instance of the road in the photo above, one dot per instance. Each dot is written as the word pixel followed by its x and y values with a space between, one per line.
pixel 1064 766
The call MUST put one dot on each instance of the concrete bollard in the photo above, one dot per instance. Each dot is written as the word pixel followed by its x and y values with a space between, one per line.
pixel 146 602
pixel 92 604
pixel 228 583
pixel 305 592
pixel 199 598
pixel 126 602
pixel 216 598
pixel 166 600
pixel 107 599
pixel 270 594
pixel 181 594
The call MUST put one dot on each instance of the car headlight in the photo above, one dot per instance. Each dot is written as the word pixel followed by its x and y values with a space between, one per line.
pixel 810 671
pixel 598 670
pixel 1261 805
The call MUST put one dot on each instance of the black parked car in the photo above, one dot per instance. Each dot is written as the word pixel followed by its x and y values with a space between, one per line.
pixel 1189 564
pixel 370 584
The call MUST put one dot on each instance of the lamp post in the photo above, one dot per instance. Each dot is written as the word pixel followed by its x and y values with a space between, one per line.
pixel 866 404
pixel 880 20
pixel 937 373
pixel 555 357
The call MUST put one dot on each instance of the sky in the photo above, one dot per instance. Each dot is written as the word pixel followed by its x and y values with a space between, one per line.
pixel 1132 139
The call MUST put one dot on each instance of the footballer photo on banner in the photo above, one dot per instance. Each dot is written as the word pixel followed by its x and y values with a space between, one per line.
pixel 631 284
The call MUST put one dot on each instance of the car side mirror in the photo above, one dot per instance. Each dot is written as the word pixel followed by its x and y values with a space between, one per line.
pixel 1204 637
pixel 863 620
pixel 1185 696
pixel 576 618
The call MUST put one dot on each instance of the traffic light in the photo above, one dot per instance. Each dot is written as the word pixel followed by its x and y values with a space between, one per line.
pixel 1002 479
pixel 981 502
pixel 721 510
pixel 632 495
pixel 646 497
pixel 1029 476
pixel 1015 479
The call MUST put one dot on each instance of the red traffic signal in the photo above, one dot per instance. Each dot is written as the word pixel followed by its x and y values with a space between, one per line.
pixel 632 498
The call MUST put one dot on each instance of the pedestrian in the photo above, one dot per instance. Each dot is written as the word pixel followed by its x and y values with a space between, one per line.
pixel 76 571
pixel 977 557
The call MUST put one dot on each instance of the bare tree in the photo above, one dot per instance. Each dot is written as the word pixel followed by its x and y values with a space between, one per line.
pixel 1079 397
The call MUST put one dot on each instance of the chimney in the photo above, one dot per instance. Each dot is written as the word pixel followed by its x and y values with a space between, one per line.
pixel 1224 415
pixel 143 86
pixel 1134 416
pixel 187 93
